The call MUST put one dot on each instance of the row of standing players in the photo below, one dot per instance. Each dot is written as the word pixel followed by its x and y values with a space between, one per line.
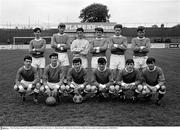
pixel 137 74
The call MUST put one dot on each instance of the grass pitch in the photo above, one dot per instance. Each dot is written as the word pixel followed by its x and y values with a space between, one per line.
pixel 90 113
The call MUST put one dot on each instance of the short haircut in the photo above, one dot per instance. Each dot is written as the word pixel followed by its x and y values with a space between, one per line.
pixel 150 60
pixel 53 54
pixel 102 60
pixel 61 25
pixel 118 26
pixel 99 29
pixel 80 29
pixel 36 29
pixel 27 57
pixel 140 28
pixel 129 61
pixel 77 60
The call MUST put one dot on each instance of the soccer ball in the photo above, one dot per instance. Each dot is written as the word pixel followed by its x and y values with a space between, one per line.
pixel 77 98
pixel 51 101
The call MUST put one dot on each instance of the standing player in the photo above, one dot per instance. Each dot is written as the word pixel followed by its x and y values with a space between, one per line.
pixel 118 46
pixel 102 78
pixel 141 47
pixel 37 48
pixel 98 47
pixel 129 79
pixel 53 76
pixel 27 80
pixel 77 77
pixel 80 47
pixel 60 42
pixel 153 80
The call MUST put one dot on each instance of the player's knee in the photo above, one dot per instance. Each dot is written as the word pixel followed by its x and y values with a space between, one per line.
pixel 38 85
pixel 87 88
pixel 139 88
pixel 63 88
pixel 111 88
pixel 162 89
pixel 93 89
pixel 145 90
pixel 16 88
pixel 42 89
pixel 21 89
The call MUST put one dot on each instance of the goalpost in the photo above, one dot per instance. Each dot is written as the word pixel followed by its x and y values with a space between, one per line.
pixel 26 40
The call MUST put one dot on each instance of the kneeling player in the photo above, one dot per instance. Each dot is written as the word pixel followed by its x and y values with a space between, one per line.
pixel 129 79
pixel 27 80
pixel 102 78
pixel 153 80
pixel 77 77
pixel 53 76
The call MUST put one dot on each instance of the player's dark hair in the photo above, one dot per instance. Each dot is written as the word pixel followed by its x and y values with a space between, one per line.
pixel 99 29
pixel 80 29
pixel 27 57
pixel 140 28
pixel 53 54
pixel 77 60
pixel 36 29
pixel 118 26
pixel 150 60
pixel 61 25
pixel 102 60
pixel 129 61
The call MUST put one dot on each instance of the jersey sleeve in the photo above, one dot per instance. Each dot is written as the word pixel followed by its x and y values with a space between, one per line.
pixel 42 49
pixel 69 76
pixel 53 42
pixel 45 76
pixel 147 47
pixel 134 47
pixel 161 78
pixel 18 76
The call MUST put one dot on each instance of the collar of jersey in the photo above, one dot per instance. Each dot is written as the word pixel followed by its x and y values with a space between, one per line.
pixel 151 70
pixel 38 39
pixel 55 66
pixel 140 38
pixel 117 36
pixel 99 38
pixel 103 70
pixel 128 71
pixel 26 68
pixel 60 34
pixel 79 69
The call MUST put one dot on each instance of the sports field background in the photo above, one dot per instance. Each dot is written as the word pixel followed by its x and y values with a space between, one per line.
pixel 92 112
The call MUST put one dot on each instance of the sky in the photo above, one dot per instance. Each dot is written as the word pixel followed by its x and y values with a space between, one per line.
pixel 52 12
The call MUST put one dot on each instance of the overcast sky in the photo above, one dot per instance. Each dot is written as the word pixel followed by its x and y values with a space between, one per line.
pixel 42 12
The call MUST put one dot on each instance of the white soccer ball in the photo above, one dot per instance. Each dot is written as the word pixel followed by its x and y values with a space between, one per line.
pixel 77 98
pixel 51 101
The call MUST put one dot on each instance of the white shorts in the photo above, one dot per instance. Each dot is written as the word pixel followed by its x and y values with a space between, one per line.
pixel 63 58
pixel 94 61
pixel 117 62
pixel 84 61
pixel 140 62
pixel 53 86
pixel 29 86
pixel 38 62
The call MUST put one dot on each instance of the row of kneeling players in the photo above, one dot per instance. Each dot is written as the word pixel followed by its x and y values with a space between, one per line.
pixel 103 82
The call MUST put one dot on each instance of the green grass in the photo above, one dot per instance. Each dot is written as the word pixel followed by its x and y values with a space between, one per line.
pixel 90 113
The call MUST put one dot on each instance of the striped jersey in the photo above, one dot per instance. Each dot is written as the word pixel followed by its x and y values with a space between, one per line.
pixel 39 45
pixel 118 44
pixel 60 39
pixel 102 43
pixel 53 74
pixel 154 77
pixel 137 43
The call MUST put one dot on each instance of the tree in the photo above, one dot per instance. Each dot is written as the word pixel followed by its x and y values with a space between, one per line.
pixel 95 13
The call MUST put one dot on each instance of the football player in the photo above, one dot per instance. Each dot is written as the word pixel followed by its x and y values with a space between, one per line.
pixel 153 80
pixel 102 78
pixel 129 79
pixel 80 47
pixel 53 77
pixel 141 47
pixel 27 81
pixel 98 47
pixel 60 42
pixel 77 77
pixel 37 48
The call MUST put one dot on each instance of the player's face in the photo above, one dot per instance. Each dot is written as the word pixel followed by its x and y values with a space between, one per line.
pixel 77 66
pixel 61 30
pixel 101 66
pixel 130 66
pixel 141 34
pixel 37 33
pixel 27 63
pixel 99 34
pixel 117 31
pixel 151 66
pixel 54 59
pixel 80 34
